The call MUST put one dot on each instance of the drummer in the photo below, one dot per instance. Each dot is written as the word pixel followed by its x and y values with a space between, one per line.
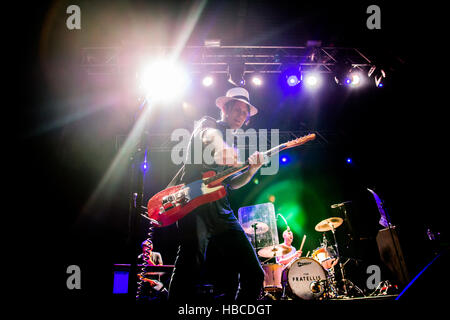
pixel 288 237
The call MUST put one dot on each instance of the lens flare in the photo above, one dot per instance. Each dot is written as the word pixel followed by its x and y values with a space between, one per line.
pixel 163 80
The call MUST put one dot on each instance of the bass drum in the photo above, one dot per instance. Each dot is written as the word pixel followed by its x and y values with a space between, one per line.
pixel 304 278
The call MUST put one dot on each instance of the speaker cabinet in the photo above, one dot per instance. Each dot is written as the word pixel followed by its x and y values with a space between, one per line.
pixel 391 254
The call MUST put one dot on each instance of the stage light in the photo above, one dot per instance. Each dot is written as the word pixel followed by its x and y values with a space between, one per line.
pixel 293 80
pixel 354 79
pixel 345 74
pixel 163 81
pixel 312 80
pixel 257 80
pixel 349 160
pixel 379 76
pixel 208 81
pixel 284 159
pixel 272 198
pixel 236 72
pixel 256 181
pixel 145 165
pixel 290 78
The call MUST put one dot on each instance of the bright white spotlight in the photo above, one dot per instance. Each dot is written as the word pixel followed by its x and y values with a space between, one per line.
pixel 208 81
pixel 312 80
pixel 163 81
pixel 356 79
pixel 257 81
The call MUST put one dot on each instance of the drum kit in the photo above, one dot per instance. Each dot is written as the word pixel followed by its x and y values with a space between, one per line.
pixel 307 278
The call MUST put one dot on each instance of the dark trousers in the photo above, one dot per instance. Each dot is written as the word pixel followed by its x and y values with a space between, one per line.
pixel 215 251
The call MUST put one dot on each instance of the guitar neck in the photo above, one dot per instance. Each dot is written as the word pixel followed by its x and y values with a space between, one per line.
pixel 230 171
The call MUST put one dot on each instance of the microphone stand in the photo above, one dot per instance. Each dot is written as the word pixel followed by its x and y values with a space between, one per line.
pixel 339 257
pixel 254 226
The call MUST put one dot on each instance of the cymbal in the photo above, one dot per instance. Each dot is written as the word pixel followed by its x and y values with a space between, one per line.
pixel 261 227
pixel 325 225
pixel 274 251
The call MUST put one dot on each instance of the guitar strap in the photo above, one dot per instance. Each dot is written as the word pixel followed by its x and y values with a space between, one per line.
pixel 176 179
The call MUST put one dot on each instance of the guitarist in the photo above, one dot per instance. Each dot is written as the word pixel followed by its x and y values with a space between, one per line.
pixel 213 246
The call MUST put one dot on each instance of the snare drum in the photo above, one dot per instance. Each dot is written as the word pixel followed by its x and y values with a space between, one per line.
pixel 325 256
pixel 272 276
pixel 304 278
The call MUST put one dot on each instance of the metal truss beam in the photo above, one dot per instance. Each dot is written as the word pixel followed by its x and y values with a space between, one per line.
pixel 203 59
pixel 161 142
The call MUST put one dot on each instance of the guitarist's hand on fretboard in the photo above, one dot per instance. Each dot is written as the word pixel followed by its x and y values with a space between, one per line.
pixel 256 160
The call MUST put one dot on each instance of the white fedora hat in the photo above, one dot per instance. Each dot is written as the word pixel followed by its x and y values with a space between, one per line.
pixel 239 94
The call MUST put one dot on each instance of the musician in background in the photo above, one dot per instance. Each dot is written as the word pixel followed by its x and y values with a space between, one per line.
pixel 155 288
pixel 150 257
pixel 288 237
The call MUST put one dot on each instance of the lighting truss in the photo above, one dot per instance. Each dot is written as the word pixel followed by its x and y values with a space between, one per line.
pixel 202 59
pixel 161 142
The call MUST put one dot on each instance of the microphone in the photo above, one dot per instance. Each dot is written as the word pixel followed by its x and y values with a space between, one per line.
pixel 338 205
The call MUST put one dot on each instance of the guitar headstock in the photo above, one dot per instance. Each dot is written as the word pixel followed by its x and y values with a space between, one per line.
pixel 300 141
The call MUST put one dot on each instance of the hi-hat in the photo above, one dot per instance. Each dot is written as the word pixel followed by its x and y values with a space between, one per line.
pixel 325 225
pixel 274 251
pixel 260 227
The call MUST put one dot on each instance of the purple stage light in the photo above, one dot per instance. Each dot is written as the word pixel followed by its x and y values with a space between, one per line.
pixel 284 159
pixel 292 80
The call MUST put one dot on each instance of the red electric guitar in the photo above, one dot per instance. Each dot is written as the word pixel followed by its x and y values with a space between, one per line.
pixel 171 204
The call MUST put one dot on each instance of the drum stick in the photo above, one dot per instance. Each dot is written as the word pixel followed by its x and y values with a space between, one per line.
pixel 303 242
pixel 307 255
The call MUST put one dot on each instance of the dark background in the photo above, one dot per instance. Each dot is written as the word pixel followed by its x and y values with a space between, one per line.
pixel 64 125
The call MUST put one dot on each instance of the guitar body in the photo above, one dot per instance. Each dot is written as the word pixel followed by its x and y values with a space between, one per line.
pixel 173 203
